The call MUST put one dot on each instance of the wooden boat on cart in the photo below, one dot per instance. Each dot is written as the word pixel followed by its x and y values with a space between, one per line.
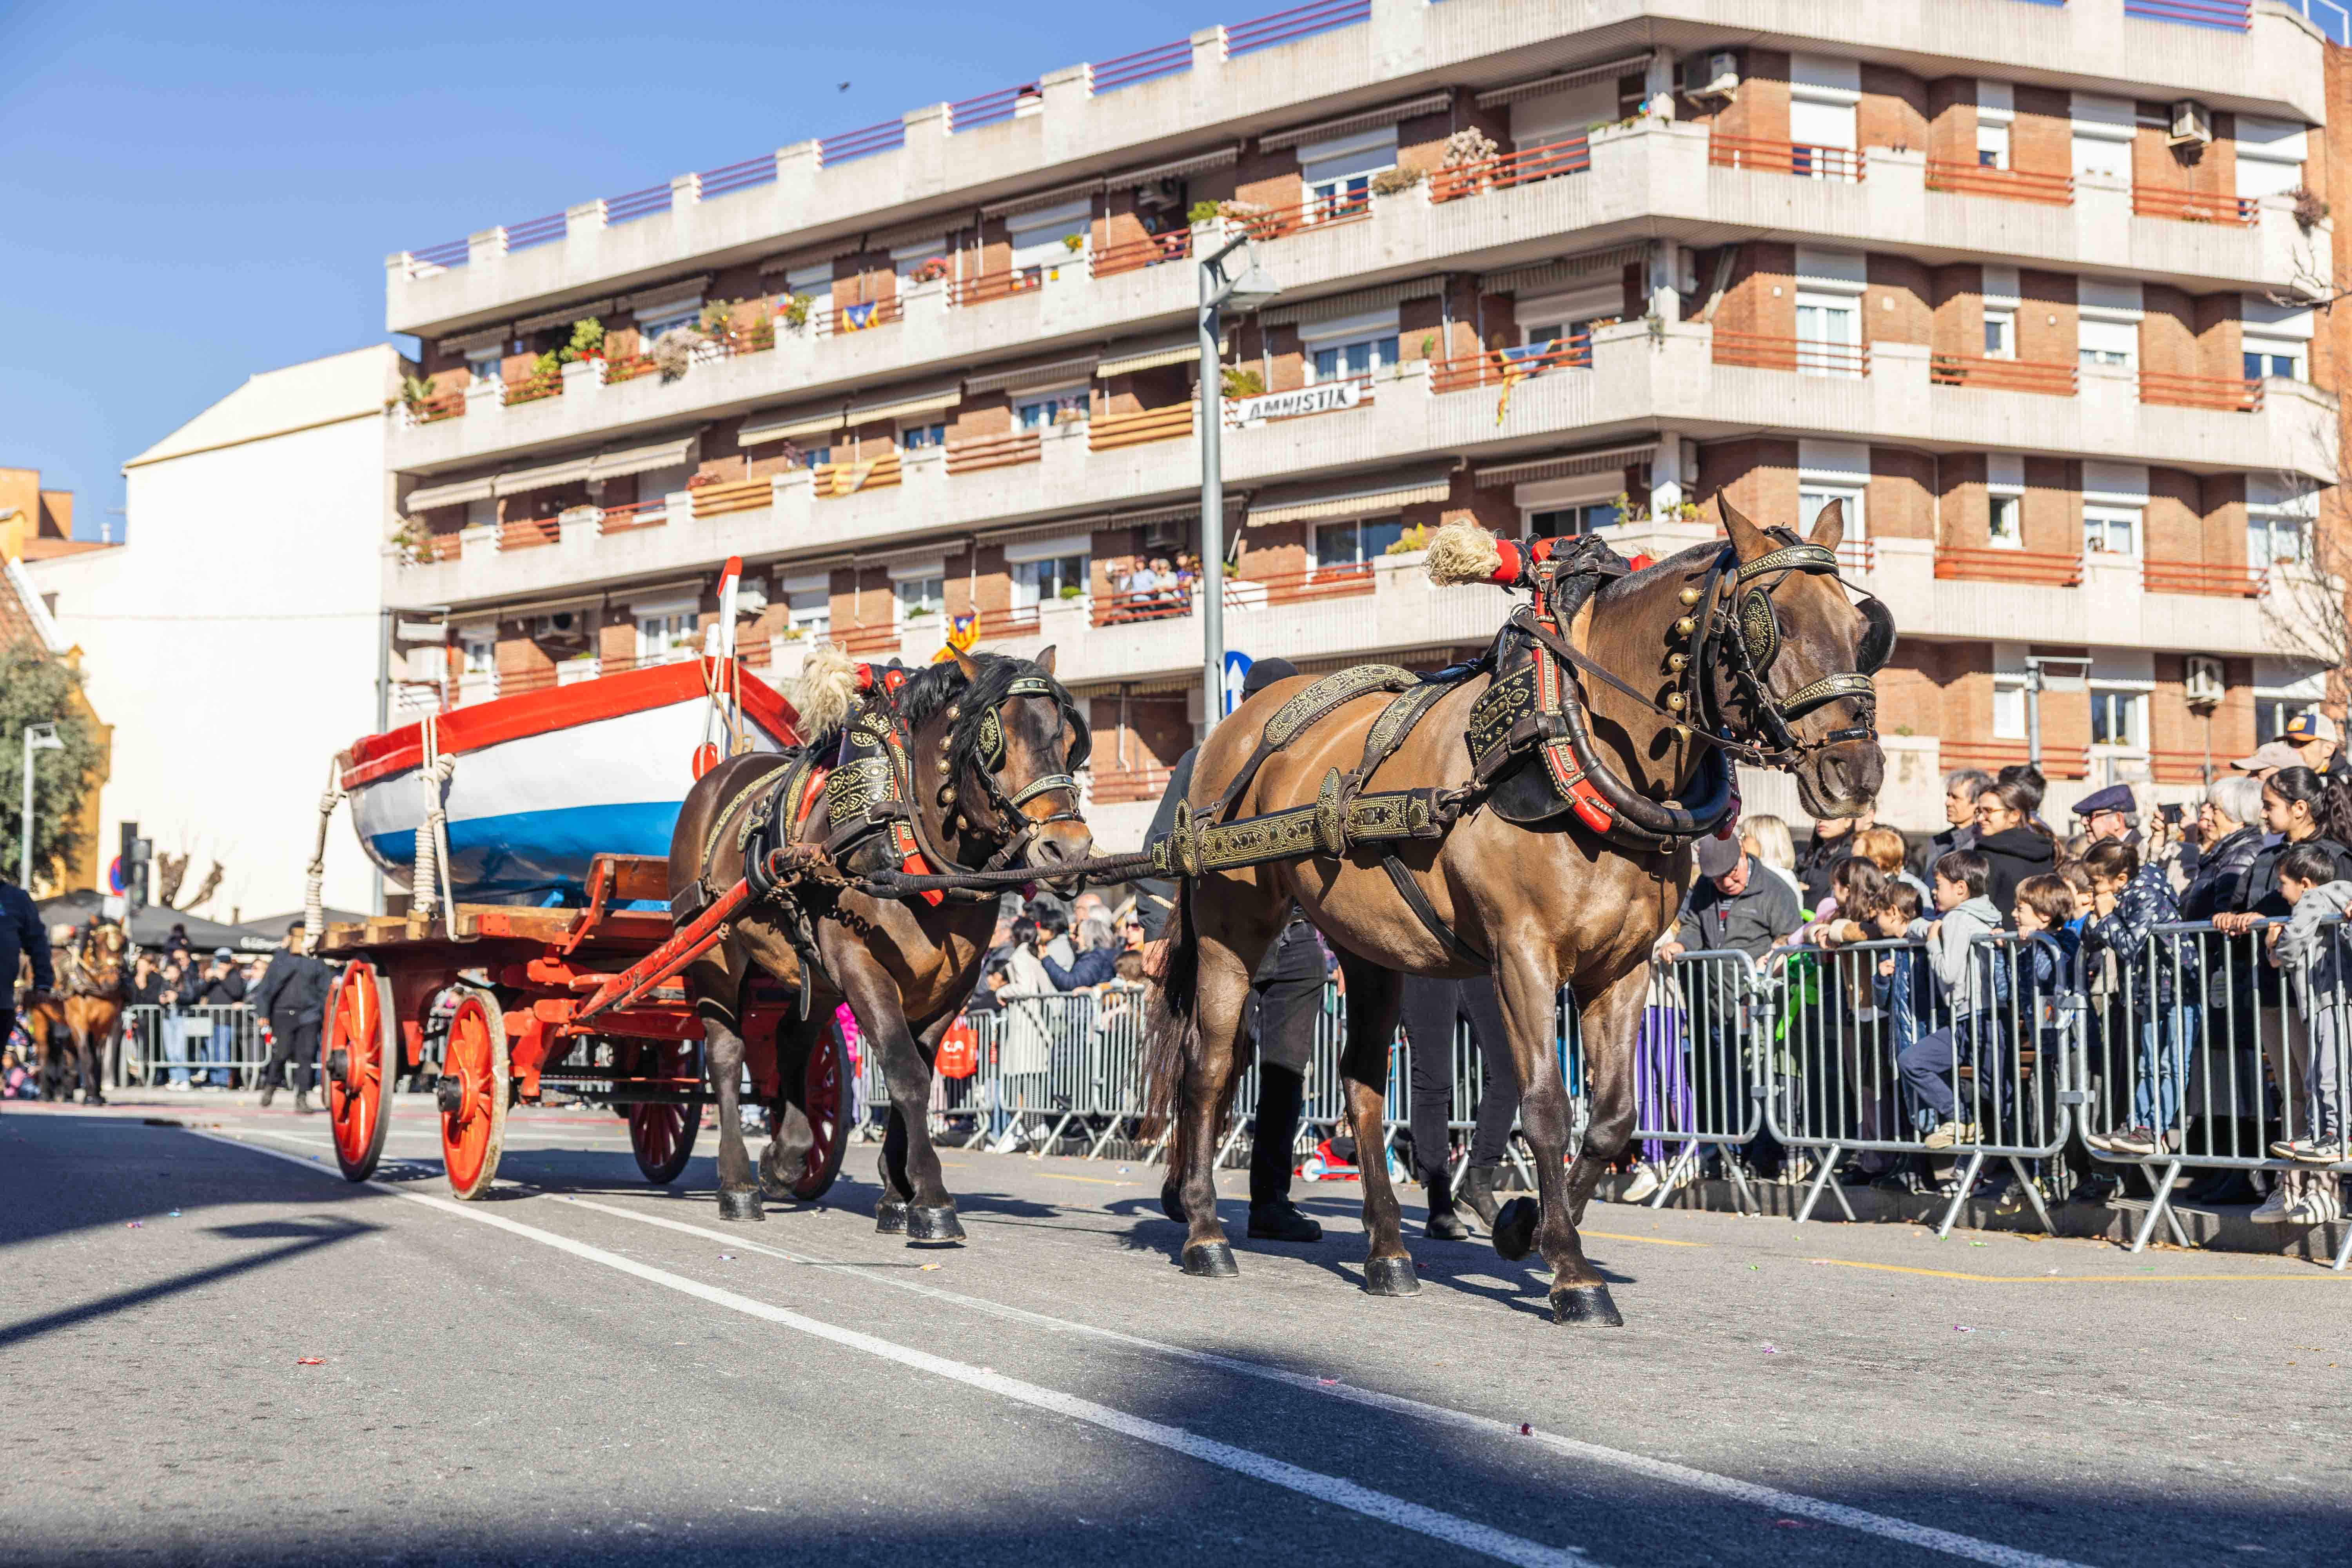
pixel 559 807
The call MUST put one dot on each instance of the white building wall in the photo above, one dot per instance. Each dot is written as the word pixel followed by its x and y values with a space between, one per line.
pixel 232 642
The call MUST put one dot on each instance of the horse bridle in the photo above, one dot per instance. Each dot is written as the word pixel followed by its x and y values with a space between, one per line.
pixel 1014 826
pixel 1739 631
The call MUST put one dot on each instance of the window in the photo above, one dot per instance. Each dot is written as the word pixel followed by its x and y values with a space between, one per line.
pixel 1041 238
pixel 1829 335
pixel 919 596
pixel 2102 130
pixel 1046 582
pixel 483 365
pixel 2005 522
pixel 1338 173
pixel 1813 495
pixel 1566 523
pixel 479 652
pixel 2273 357
pixel 2107 342
pixel 921 438
pixel 1822 96
pixel 1999 333
pixel 2111 529
pixel 1342 544
pixel 809 612
pixel 2275 539
pixel 1038 410
pixel 2270 155
pixel 1992 145
pixel 669 636
pixel 2271 714
pixel 2118 718
pixel 1351 362
pixel 813 457
pixel 652 323
pixel 2008 707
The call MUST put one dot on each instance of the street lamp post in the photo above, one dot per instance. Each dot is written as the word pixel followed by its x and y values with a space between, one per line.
pixel 37 738
pixel 2034 685
pixel 1244 292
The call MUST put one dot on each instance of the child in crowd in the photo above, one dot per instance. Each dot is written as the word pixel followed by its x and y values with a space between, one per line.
pixel 1887 851
pixel 16 1083
pixel 1968 987
pixel 2312 959
pixel 2078 883
pixel 1903 977
pixel 2045 908
pixel 2157 983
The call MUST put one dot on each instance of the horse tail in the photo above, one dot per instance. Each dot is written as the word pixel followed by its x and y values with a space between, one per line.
pixel 1171 1038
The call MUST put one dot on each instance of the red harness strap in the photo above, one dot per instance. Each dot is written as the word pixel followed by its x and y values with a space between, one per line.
pixel 891 679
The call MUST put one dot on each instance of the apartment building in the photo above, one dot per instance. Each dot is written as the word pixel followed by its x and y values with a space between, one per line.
pixel 2030 286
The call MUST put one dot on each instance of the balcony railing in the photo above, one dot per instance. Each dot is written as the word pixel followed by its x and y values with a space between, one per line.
pixel 1154 605
pixel 2228 16
pixel 532 388
pixel 1113 431
pixel 651 514
pixel 2230 394
pixel 1315 212
pixel 1125 786
pixel 444 546
pixel 2048 570
pixel 1018 621
pixel 1498 367
pixel 858 318
pixel 432 410
pixel 1150 251
pixel 730 496
pixel 1291 587
pixel 883 638
pixel 625 367
pixel 993 452
pixel 2193 207
pixel 2007 185
pixel 991 286
pixel 1299 22
pixel 1766 351
pixel 1548 162
pixel 1803 159
pixel 2214 579
pixel 525 534
pixel 831 481
pixel 1144 65
pixel 2049 377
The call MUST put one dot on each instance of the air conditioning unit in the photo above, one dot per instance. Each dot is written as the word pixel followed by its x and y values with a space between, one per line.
pixel 1711 75
pixel 2203 684
pixel 751 598
pixel 2191 121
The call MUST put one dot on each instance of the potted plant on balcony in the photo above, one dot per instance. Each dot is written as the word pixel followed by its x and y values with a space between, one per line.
pixel 1396 182
pixel 673 353
pixel 792 312
pixel 416 398
pixel 583 358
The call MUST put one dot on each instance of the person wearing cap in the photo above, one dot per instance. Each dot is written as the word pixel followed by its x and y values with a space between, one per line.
pixel 1733 905
pixel 2267 759
pixel 292 994
pixel 2110 812
pixel 1286 999
pixel 221 986
pixel 2313 739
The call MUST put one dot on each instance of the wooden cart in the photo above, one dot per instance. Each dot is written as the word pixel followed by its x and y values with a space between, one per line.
pixel 581 999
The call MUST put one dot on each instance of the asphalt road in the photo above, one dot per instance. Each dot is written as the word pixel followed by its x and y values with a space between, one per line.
pixel 581 1370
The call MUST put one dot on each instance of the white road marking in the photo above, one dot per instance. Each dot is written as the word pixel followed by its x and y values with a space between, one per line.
pixel 1927 1537
pixel 1452 1529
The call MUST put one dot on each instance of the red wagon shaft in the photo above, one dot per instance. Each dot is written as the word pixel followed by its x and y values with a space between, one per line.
pixel 668 959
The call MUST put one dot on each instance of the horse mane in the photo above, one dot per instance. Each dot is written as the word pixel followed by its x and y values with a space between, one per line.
pixel 825 690
pixel 824 701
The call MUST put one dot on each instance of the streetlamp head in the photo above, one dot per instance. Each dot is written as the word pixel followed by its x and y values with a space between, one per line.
pixel 42 738
pixel 1250 291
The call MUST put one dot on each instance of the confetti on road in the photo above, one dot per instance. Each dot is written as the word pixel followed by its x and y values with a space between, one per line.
pixel 726 1257
pixel 1771 1350
pixel 1527 1429
pixel 134 1224
pixel 311 1361
pixel 1963 1329
pixel 928 1266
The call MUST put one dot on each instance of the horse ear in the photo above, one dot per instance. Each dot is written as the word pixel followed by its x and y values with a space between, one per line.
pixel 1829 525
pixel 964 663
pixel 1746 539
pixel 1045 659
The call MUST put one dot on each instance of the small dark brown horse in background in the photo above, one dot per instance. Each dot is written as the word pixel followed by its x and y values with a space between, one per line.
pixel 991 743
pixel 74 1029
pixel 1554 905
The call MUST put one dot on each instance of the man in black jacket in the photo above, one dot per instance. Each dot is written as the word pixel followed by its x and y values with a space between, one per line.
pixel 293 996
pixel 23 938
pixel 1734 904
pixel 220 988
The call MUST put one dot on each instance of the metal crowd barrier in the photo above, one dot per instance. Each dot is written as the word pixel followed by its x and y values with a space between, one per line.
pixel 163 1046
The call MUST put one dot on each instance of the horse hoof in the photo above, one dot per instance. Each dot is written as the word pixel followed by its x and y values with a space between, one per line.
pixel 1586 1304
pixel 1390 1277
pixel 891 1218
pixel 939 1224
pixel 1211 1261
pixel 1172 1203
pixel 744 1205
pixel 1515 1229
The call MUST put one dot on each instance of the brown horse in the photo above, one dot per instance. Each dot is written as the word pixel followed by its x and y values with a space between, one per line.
pixel 979 775
pixel 75 1028
pixel 1557 904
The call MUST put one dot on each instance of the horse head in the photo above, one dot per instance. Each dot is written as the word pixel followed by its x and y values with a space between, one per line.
pixel 1796 661
pixel 1013 745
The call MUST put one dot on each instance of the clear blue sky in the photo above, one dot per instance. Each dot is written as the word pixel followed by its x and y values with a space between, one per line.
pixel 193 193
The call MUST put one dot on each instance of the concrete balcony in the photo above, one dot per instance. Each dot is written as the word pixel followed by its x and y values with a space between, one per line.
pixel 1404 47
pixel 1640 382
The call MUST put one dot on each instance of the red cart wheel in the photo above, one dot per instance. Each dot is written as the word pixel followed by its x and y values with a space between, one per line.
pixel 357 1052
pixel 473 1094
pixel 825 1084
pixel 663 1135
